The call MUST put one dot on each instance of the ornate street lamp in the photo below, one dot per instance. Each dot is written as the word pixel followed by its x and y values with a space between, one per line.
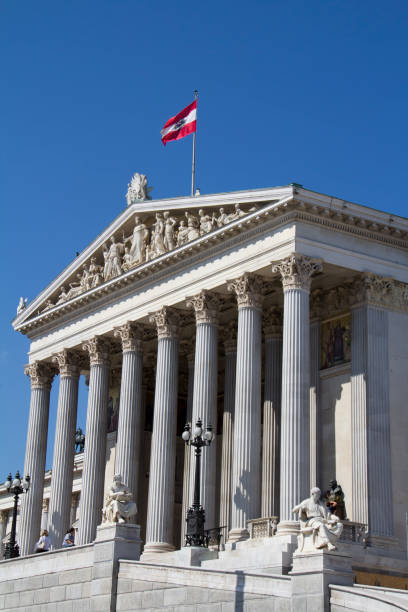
pixel 195 534
pixel 16 487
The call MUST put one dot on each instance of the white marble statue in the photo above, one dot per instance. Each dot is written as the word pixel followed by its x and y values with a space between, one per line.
pixel 138 191
pixel 157 246
pixel 119 506
pixel 113 259
pixel 238 212
pixel 169 234
pixel 223 218
pixel 318 527
pixel 182 235
pixel 139 241
pixel 193 226
pixel 95 273
pixel 22 304
pixel 206 222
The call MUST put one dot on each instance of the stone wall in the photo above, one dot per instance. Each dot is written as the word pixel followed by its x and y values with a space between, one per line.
pixel 58 581
pixel 367 598
pixel 153 587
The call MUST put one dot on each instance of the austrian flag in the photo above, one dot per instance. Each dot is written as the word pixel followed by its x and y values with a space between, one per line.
pixel 181 125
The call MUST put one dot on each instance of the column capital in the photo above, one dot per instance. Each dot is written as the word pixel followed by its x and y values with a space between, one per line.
pixel 297 270
pixel 68 363
pixel 98 349
pixel 248 290
pixel 272 323
pixel 131 335
pixel 40 373
pixel 167 322
pixel 206 305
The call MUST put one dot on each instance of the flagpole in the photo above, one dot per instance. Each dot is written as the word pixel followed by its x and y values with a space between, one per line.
pixel 194 153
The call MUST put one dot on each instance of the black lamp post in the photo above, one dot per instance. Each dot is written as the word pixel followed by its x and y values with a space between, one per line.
pixel 195 534
pixel 16 487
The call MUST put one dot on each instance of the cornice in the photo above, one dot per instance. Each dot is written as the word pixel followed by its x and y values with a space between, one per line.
pixel 276 213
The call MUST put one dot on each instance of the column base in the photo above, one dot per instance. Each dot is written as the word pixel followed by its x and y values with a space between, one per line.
pixel 152 549
pixel 288 528
pixel 238 534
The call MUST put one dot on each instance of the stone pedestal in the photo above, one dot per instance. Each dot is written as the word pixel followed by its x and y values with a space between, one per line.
pixel 113 541
pixel 311 575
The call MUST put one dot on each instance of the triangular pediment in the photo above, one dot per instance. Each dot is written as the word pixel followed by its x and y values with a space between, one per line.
pixel 142 233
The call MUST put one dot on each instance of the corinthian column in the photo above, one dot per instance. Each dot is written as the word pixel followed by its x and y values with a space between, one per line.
pixel 41 375
pixel 271 413
pixel 230 347
pixel 296 272
pixel 187 450
pixel 205 306
pixel 93 474
pixel 246 461
pixel 159 537
pixel 64 447
pixel 131 406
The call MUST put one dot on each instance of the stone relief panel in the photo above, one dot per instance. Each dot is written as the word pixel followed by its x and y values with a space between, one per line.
pixel 148 240
pixel 336 341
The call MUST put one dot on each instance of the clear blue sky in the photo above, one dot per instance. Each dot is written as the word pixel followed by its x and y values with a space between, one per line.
pixel 313 92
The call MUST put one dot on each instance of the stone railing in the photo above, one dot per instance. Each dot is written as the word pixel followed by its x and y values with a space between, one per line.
pixel 355 533
pixel 264 527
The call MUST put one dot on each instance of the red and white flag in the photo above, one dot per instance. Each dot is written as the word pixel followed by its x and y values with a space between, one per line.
pixel 181 125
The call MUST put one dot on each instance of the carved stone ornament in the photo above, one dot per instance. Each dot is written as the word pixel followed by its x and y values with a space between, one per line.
pixel 22 305
pixel 167 322
pixel 98 349
pixel 248 290
pixel 138 191
pixel 206 305
pixel 131 335
pixel 297 271
pixel 380 291
pixel 272 322
pixel 40 373
pixel 68 362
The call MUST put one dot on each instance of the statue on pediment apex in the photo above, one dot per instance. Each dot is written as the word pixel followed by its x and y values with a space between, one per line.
pixel 22 304
pixel 138 191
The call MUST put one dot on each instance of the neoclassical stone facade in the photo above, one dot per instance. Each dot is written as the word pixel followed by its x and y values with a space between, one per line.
pixel 278 316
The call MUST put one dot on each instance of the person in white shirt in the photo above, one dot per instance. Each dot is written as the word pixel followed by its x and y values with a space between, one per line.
pixel 44 543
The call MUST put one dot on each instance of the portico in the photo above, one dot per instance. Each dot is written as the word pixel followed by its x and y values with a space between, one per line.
pixel 233 322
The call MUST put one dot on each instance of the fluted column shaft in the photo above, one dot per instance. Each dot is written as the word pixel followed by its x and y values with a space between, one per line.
pixel 296 272
pixel 130 408
pixel 36 448
pixel 246 463
pixel 271 423
pixel 64 449
pixel 314 396
pixel 159 536
pixel 93 474
pixel 205 306
pixel 187 449
pixel 228 433
pixel 3 528
pixel 372 477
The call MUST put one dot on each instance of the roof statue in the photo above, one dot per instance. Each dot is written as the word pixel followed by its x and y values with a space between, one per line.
pixel 138 191
pixel 22 304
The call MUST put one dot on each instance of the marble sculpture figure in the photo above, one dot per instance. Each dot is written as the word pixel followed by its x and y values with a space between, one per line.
pixel 318 527
pixel 119 506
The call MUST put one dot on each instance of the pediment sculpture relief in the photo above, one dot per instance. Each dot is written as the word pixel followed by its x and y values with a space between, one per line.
pixel 146 242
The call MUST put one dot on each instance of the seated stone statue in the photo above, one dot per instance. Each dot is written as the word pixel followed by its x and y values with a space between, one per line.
pixel 318 527
pixel 119 507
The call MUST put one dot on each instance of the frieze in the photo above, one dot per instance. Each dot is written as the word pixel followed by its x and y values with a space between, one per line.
pixel 279 213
